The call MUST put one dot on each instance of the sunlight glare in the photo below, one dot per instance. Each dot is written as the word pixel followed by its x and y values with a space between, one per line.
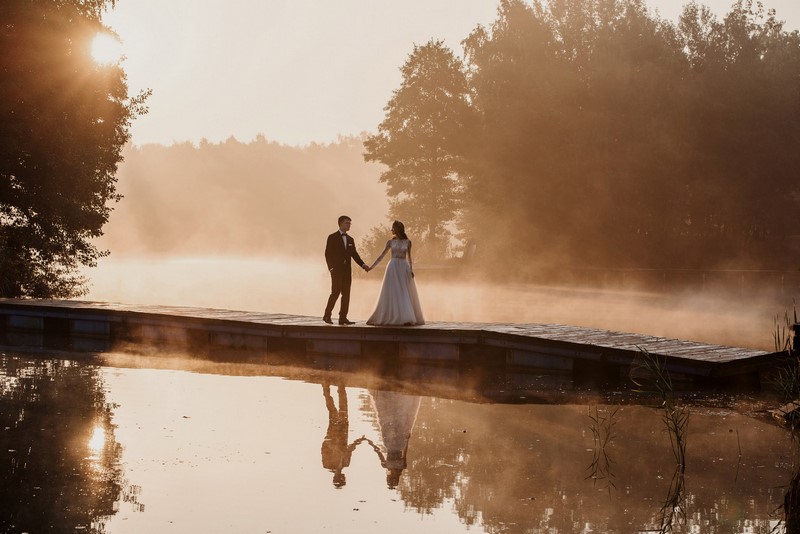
pixel 97 441
pixel 106 49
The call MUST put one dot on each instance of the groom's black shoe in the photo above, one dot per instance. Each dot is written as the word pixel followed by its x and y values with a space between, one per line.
pixel 346 321
pixel 327 320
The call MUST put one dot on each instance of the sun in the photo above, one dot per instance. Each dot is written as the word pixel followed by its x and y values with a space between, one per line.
pixel 98 440
pixel 106 49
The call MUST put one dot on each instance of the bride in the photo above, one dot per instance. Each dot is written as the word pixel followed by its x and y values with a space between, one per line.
pixel 398 302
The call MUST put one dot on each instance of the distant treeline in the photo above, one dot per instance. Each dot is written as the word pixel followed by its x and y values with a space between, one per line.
pixel 580 133
pixel 597 134
pixel 241 198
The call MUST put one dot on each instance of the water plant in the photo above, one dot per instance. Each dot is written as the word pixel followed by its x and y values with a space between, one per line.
pixel 787 384
pixel 653 377
pixel 791 499
pixel 782 335
pixel 602 427
pixel 787 377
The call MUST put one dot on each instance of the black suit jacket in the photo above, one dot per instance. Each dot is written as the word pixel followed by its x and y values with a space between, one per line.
pixel 336 255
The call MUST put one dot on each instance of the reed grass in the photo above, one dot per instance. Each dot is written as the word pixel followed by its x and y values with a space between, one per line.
pixel 602 427
pixel 782 336
pixel 654 378
pixel 787 384
pixel 791 499
pixel 787 377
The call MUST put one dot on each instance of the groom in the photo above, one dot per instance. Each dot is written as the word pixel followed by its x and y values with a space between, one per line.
pixel 338 251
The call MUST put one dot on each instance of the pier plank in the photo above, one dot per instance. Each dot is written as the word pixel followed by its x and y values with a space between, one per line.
pixel 569 341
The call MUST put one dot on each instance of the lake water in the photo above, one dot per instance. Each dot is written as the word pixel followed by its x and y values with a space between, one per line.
pixel 161 443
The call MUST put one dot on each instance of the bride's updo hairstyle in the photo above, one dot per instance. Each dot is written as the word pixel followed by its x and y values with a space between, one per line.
pixel 399 230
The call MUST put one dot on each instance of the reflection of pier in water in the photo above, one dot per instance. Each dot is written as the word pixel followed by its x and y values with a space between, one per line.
pixel 490 465
pixel 582 353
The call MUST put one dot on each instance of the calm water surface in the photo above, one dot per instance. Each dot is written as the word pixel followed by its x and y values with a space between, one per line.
pixel 121 444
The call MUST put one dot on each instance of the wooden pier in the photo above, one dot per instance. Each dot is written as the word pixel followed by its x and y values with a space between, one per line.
pixel 561 349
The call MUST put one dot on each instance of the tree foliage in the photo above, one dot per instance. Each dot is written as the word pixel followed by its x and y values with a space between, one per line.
pixel 63 122
pixel 241 199
pixel 606 136
pixel 422 142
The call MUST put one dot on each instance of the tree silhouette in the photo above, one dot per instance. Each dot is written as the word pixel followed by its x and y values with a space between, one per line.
pixel 63 121
pixel 169 191
pixel 422 141
pixel 610 137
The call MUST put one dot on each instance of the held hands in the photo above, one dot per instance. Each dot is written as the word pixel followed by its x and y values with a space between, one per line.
pixel 366 267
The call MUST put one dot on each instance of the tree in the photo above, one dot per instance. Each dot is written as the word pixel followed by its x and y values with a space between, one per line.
pixel 422 141
pixel 610 137
pixel 64 119
pixel 520 88
pixel 747 75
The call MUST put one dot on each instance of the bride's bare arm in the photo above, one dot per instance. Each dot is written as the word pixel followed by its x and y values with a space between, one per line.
pixel 385 249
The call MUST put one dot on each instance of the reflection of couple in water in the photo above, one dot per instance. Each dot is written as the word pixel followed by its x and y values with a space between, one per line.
pixel 396 414
pixel 398 302
pixel 336 453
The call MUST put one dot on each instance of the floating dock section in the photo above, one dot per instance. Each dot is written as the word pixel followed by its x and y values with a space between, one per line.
pixel 583 353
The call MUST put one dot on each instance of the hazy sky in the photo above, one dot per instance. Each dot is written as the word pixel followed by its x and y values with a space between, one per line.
pixel 296 71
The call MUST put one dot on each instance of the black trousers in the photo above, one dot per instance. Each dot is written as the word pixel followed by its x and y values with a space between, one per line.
pixel 341 280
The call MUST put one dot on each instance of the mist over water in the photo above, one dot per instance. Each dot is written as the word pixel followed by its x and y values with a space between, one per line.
pixel 301 286
pixel 203 226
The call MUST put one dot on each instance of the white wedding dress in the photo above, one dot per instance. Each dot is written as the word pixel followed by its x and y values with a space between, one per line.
pixel 398 302
pixel 396 414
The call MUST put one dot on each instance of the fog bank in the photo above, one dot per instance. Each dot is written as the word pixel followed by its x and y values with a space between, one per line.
pixel 301 287
pixel 237 198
